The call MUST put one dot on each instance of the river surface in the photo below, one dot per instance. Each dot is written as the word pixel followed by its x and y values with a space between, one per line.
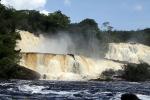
pixel 62 90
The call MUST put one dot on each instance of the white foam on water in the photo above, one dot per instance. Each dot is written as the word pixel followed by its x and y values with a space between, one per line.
pixel 33 89
pixel 61 92
pixel 5 84
pixel 40 89
pixel 143 97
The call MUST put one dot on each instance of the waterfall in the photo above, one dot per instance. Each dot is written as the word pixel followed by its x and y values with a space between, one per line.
pixel 66 67
pixel 133 53
pixel 57 64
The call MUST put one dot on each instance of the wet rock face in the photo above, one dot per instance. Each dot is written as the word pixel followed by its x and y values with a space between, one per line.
pixel 27 74
pixel 129 96
pixel 72 55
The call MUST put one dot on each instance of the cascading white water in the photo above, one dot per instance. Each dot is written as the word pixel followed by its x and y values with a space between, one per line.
pixel 66 67
pixel 133 53
pixel 63 66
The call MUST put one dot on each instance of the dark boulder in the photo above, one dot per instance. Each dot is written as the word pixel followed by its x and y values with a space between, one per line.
pixel 15 71
pixel 129 96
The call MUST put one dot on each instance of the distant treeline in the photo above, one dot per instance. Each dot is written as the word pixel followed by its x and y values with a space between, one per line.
pixel 34 21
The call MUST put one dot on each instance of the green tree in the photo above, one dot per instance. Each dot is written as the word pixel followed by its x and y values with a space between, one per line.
pixel 107 27
pixel 89 24
pixel 57 21
pixel 89 28
pixel 8 36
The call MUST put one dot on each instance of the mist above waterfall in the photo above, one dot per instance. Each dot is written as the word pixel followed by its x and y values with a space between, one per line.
pixel 57 44
pixel 68 43
pixel 60 43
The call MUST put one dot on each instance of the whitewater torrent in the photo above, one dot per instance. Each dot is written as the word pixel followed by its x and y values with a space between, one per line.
pixel 63 66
